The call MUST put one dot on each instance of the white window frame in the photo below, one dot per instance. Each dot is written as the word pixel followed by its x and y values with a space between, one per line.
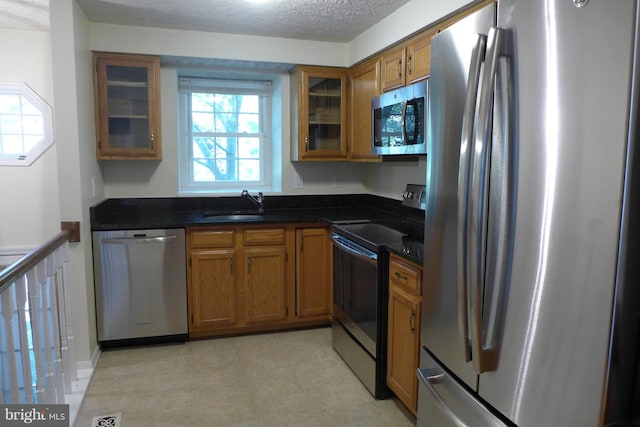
pixel 188 85
pixel 27 158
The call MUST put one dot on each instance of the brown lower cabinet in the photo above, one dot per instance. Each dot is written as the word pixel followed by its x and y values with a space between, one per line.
pixel 251 278
pixel 403 345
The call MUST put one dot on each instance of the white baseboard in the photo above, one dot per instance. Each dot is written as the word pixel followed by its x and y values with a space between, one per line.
pixel 95 355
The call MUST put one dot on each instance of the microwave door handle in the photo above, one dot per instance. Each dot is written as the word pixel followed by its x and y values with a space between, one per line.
pixel 415 113
pixel 464 172
pixel 404 122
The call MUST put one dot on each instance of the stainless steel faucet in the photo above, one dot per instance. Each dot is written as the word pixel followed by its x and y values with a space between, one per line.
pixel 257 200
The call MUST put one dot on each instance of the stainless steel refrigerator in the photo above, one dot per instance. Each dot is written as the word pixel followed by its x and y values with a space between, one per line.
pixel 531 270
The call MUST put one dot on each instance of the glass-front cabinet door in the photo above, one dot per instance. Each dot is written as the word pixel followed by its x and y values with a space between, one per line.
pixel 127 99
pixel 322 113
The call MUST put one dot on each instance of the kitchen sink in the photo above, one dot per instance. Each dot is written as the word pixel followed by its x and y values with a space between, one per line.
pixel 238 217
pixel 234 215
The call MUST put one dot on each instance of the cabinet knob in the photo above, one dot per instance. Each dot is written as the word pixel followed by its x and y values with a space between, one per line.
pixel 409 71
pixel 400 69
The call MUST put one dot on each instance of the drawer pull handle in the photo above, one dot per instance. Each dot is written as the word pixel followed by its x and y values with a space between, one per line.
pixel 400 276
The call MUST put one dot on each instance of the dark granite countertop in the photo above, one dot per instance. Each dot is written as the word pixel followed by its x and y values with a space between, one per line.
pixel 147 213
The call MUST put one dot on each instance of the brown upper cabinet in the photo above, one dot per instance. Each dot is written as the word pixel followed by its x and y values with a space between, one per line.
pixel 320 94
pixel 127 98
pixel 410 61
pixel 407 63
pixel 364 84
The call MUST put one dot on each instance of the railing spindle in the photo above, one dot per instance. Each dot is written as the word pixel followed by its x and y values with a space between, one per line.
pixel 37 347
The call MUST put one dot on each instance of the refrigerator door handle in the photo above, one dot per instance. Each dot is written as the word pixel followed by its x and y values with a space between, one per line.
pixel 429 377
pixel 483 359
pixel 464 172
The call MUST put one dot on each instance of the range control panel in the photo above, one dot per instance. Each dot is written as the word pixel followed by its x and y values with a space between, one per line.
pixel 415 196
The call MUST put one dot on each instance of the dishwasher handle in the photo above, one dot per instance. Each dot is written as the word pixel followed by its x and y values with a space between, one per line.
pixel 137 240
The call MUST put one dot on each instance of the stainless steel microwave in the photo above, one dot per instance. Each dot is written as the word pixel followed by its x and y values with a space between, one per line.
pixel 399 120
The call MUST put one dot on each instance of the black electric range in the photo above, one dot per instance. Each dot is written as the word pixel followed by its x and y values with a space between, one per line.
pixel 361 250
pixel 402 237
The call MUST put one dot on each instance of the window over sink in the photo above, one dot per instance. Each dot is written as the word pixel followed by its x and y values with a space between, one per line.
pixel 226 143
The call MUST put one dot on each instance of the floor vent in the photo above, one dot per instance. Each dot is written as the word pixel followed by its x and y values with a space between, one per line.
pixel 111 420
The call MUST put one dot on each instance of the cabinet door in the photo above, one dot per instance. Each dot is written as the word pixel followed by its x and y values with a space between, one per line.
pixel 322 119
pixel 213 289
pixel 265 284
pixel 313 272
pixel 393 64
pixel 403 346
pixel 365 84
pixel 419 59
pixel 127 106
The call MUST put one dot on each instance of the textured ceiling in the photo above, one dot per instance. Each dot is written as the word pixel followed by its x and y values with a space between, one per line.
pixel 24 15
pixel 323 20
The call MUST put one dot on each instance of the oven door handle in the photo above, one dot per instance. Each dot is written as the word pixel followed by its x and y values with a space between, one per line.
pixel 368 257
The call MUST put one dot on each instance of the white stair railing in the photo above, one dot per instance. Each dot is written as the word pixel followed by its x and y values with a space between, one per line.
pixel 37 357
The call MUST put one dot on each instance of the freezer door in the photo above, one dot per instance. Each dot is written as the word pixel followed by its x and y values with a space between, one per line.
pixel 443 402
pixel 572 68
pixel 444 328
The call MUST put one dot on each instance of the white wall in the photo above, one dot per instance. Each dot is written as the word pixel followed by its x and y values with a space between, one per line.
pixel 77 165
pixel 409 19
pixel 159 179
pixel 30 209
pixel 157 41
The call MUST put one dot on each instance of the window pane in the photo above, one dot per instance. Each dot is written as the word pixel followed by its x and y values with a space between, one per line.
pixel 228 169
pixel 224 102
pixel 202 147
pixel 33 125
pixel 31 141
pixel 29 108
pixel 226 122
pixel 226 147
pixel 250 104
pixel 10 123
pixel 202 173
pixel 9 104
pixel 202 122
pixel 249 170
pixel 249 148
pixel 248 123
pixel 202 102
pixel 12 144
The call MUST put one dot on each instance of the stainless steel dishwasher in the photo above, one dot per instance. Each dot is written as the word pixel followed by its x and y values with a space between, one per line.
pixel 140 286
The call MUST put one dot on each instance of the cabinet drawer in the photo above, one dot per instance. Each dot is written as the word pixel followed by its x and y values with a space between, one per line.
pixel 406 275
pixel 265 236
pixel 207 239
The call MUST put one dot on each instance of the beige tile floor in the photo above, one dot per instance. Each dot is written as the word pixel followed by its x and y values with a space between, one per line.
pixel 277 379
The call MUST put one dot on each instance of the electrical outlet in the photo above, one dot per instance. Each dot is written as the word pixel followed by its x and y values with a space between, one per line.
pixel 337 183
